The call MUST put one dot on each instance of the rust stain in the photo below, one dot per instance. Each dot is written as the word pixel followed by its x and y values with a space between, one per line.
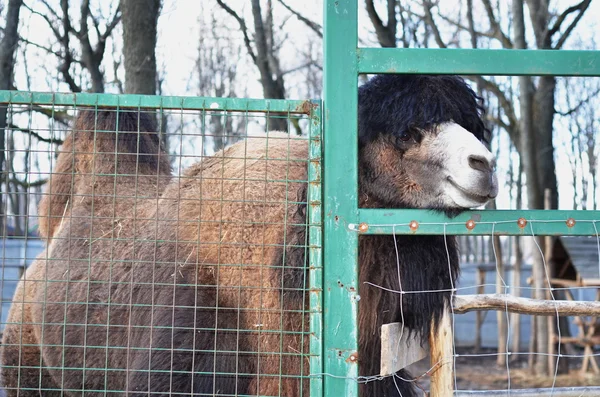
pixel 306 107
pixel 353 358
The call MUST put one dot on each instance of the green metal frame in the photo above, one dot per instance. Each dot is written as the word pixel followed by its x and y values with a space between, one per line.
pixel 344 61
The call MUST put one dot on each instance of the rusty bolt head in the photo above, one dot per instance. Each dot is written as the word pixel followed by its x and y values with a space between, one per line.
pixel 414 225
pixel 570 222
pixel 363 227
pixel 470 224
pixel 353 357
pixel 522 222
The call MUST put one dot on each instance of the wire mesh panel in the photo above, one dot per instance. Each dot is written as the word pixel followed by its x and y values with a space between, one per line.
pixel 182 246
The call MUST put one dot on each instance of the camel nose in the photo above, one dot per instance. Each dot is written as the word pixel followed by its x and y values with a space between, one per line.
pixel 481 163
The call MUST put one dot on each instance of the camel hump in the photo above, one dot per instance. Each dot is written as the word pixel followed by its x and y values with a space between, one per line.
pixel 125 138
pixel 122 143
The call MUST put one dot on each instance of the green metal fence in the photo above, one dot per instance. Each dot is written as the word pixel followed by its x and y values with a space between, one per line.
pixel 344 61
pixel 273 168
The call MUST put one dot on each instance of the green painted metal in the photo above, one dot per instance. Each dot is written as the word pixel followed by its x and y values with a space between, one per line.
pixel 340 201
pixel 315 250
pixel 478 61
pixel 156 102
pixel 500 222
pixel 343 62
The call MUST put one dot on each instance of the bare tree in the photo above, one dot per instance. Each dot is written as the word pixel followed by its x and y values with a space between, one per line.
pixel 8 46
pixel 65 29
pixel 264 53
pixel 583 145
pixel 218 77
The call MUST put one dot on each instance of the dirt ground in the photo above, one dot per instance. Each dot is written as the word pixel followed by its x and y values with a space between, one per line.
pixel 482 373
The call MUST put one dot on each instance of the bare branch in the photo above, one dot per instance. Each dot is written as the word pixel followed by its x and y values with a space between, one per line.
pixel 315 27
pixel 499 122
pixel 582 7
pixel 510 303
pixel 575 108
pixel 427 5
pixel 495 26
pixel 61 117
pixel 299 67
pixel 27 185
pixel 35 135
pixel 46 18
pixel 64 40
pixel 112 25
pixel 491 35
pixel 502 100
pixel 243 27
pixel 386 34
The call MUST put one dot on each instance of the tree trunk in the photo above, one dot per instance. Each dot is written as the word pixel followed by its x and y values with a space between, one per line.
pixel 8 46
pixel 543 114
pixel 267 62
pixel 140 18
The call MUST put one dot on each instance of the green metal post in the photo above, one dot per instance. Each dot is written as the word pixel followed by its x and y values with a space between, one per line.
pixel 340 198
pixel 315 244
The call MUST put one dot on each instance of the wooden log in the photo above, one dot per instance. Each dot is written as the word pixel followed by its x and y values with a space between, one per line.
pixel 442 353
pixel 500 317
pixel 467 303
pixel 595 340
pixel 515 321
pixel 557 391
pixel 479 315
pixel 559 282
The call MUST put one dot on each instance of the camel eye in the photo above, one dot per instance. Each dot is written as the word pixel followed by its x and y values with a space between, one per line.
pixel 404 137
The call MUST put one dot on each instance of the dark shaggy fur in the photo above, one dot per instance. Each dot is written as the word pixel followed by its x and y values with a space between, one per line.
pixel 167 275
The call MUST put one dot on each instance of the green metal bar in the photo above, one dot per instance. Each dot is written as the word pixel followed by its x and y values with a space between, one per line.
pixel 156 102
pixel 315 251
pixel 479 61
pixel 499 222
pixel 340 188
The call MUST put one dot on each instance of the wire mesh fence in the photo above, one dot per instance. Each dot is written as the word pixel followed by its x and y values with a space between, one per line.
pixel 177 239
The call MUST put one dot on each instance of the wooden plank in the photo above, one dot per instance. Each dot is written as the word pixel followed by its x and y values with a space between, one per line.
pixel 398 349
pixel 441 344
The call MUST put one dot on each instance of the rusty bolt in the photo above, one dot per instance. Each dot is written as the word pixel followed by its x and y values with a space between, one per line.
pixel 522 222
pixel 363 227
pixel 353 357
pixel 570 222
pixel 414 225
pixel 470 224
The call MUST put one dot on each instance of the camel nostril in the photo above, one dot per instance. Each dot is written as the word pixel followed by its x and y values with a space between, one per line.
pixel 480 163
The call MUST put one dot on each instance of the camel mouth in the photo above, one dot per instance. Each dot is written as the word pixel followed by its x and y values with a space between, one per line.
pixel 477 198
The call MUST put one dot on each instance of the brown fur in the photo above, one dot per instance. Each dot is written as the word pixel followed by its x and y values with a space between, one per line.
pixel 78 207
pixel 219 227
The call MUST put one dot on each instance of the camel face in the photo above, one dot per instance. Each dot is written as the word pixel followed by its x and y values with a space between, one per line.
pixel 459 169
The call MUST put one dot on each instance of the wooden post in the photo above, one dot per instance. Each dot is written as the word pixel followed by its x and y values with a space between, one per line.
pixel 441 342
pixel 479 315
pixel 500 315
pixel 552 322
pixel 515 321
